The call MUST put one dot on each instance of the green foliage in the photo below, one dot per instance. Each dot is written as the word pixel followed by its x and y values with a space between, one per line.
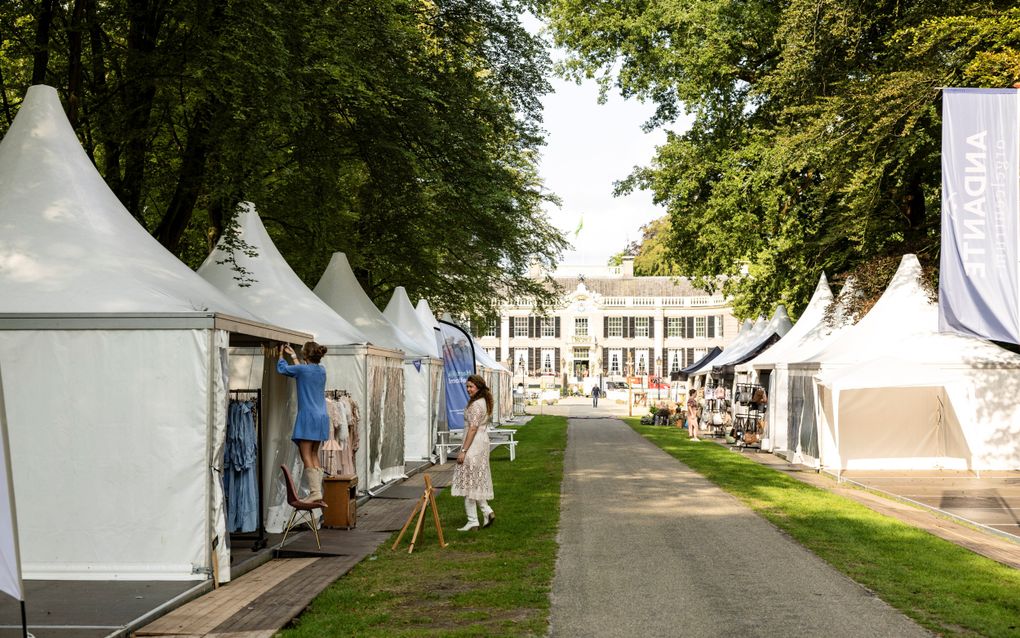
pixel 946 588
pixel 494 582
pixel 403 133
pixel 815 143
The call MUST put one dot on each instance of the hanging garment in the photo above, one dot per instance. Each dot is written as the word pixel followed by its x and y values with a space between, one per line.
pixel 349 444
pixel 240 476
pixel 330 452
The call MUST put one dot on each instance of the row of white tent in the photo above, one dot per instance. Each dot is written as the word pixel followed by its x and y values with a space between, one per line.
pixel 118 360
pixel 889 392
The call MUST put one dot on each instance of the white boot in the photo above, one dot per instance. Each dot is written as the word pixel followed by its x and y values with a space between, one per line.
pixel 314 475
pixel 488 516
pixel 472 516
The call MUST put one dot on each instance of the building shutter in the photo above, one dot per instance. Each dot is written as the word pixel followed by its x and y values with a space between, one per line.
pixel 512 360
pixel 651 326
pixel 531 327
pixel 557 328
pixel 499 326
pixel 556 356
pixel 605 327
pixel 690 327
pixel 625 327
pixel 531 361
pixel 499 351
pixel 654 369
pixel 710 327
pixel 632 322
pixel 605 362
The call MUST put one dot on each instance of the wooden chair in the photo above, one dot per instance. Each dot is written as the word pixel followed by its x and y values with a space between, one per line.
pixel 299 506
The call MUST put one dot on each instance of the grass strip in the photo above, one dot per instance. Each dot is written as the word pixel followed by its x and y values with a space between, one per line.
pixel 946 588
pixel 494 582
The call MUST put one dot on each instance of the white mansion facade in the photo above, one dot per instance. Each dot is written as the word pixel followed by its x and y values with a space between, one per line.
pixel 610 323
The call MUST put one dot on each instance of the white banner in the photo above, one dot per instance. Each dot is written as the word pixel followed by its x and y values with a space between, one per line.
pixel 10 558
pixel 980 203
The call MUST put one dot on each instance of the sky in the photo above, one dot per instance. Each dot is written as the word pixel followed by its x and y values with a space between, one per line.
pixel 589 146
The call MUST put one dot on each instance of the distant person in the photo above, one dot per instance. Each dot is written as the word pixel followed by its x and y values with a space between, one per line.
pixel 596 392
pixel 312 425
pixel 692 414
pixel 471 477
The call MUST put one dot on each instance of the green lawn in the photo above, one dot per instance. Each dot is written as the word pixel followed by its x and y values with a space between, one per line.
pixel 494 582
pixel 946 588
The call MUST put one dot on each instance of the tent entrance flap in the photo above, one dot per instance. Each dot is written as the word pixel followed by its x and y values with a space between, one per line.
pixel 900 428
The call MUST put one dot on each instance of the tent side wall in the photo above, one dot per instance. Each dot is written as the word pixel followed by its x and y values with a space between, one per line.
pixel 132 417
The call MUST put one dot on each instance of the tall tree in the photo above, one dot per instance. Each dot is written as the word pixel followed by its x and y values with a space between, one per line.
pixel 815 140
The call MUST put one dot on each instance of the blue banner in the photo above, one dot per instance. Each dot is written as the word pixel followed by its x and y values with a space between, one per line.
pixel 458 365
pixel 978 282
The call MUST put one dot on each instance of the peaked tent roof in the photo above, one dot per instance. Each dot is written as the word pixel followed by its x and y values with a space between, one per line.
pixel 813 315
pixel 903 311
pixel 275 292
pixel 402 314
pixel 67 244
pixel 711 354
pixel 340 289
pixel 703 366
pixel 425 312
pixel 736 349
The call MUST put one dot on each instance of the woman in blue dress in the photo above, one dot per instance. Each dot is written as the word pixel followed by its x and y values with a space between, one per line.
pixel 312 425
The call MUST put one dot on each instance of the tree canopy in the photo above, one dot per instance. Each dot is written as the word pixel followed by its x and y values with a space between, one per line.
pixel 403 133
pixel 815 142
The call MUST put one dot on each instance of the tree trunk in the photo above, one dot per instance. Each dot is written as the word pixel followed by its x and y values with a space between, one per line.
pixel 101 93
pixel 42 42
pixel 74 61
pixel 3 92
pixel 145 18
pixel 189 181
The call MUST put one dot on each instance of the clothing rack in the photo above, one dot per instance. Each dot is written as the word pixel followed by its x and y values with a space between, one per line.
pixel 260 535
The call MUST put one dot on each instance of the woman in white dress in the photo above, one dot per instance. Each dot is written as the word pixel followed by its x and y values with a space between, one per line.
pixel 471 476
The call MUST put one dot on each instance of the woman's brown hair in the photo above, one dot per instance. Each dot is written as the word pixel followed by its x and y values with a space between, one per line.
pixel 483 392
pixel 312 351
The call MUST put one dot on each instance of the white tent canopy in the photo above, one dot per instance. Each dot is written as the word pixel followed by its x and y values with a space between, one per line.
pixel 776 327
pixel 423 405
pixel 271 289
pixel 933 401
pixel 745 333
pixel 801 337
pixel 274 290
pixel 402 314
pixel 116 356
pixel 340 289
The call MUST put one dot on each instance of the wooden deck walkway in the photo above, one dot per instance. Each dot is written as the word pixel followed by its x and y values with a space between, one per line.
pixel 263 601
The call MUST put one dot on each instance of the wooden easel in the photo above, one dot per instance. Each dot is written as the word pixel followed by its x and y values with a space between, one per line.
pixel 427 497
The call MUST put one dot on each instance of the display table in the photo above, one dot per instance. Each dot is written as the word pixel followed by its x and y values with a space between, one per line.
pixel 340 493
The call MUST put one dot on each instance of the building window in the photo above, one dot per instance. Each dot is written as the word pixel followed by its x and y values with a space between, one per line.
pixel 614 361
pixel 718 325
pixel 490 328
pixel 640 326
pixel 520 326
pixel 675 360
pixel 699 326
pixel 580 354
pixel 548 327
pixel 615 327
pixel 641 365
pixel 522 361
pixel 547 361
pixel 674 326
pixel 581 326
pixel 699 354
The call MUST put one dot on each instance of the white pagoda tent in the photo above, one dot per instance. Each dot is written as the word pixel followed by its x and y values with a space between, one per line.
pixel 773 363
pixel 271 289
pixel 424 381
pixel 116 362
pixel 406 365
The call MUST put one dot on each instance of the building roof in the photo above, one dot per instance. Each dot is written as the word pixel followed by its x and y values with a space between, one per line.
pixel 635 286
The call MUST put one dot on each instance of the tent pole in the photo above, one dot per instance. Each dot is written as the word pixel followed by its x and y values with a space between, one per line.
pixel 24 621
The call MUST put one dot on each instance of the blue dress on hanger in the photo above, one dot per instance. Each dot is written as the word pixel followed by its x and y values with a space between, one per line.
pixel 312 423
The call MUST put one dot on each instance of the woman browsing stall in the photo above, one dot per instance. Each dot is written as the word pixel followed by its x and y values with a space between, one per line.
pixel 471 477
pixel 312 425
